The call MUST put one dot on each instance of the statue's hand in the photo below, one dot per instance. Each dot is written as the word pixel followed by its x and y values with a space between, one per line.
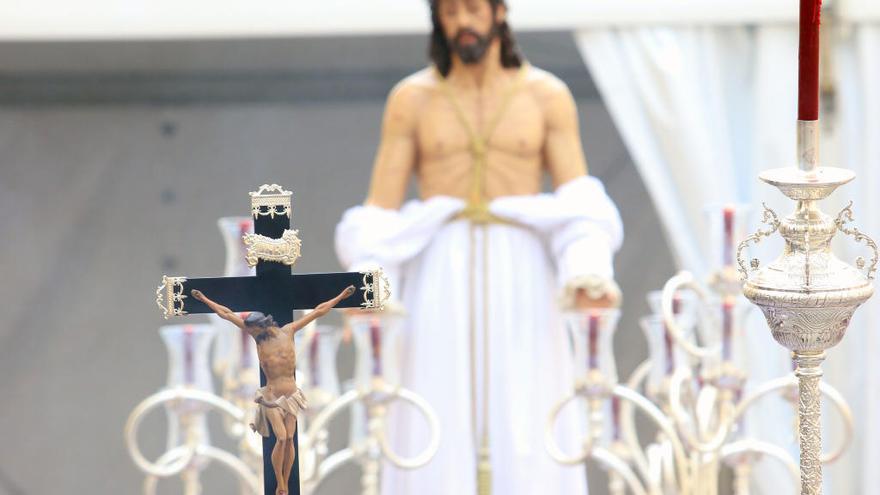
pixel 590 292
pixel 196 293
pixel 583 301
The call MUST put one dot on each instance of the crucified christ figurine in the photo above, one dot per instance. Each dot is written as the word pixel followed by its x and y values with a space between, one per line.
pixel 280 400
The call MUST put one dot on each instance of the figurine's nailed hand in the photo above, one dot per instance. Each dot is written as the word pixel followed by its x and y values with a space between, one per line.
pixel 325 307
pixel 196 293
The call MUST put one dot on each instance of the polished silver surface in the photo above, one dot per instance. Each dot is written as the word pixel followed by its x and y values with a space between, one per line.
pixel 808 144
pixel 799 184
pixel 807 294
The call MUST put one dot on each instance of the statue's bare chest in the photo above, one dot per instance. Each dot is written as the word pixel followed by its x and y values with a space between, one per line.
pixel 516 126
pixel 277 354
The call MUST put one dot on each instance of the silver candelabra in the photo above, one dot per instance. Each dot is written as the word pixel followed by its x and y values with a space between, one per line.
pixel 376 388
pixel 692 388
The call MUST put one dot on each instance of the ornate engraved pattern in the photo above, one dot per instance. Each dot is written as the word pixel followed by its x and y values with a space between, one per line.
pixel 807 294
pixel 377 290
pixel 807 185
pixel 808 329
pixel 170 296
pixel 284 250
pixel 270 200
pixel 809 375
pixel 846 216
pixel 799 193
pixel 770 218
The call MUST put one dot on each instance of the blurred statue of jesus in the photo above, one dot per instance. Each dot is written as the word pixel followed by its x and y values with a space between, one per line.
pixel 481 259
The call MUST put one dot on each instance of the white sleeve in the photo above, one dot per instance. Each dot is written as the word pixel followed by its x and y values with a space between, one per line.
pixel 369 237
pixel 360 241
pixel 584 246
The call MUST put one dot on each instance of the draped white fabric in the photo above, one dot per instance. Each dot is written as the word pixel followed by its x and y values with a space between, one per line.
pixel 428 253
pixel 702 110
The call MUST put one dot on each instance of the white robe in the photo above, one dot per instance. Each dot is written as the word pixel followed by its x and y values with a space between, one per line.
pixel 559 238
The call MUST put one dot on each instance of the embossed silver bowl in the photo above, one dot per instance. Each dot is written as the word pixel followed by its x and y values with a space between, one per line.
pixel 807 294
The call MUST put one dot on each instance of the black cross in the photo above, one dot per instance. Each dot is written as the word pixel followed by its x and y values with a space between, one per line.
pixel 274 290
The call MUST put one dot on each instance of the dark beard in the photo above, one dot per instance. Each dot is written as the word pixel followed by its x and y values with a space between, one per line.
pixel 472 54
pixel 263 336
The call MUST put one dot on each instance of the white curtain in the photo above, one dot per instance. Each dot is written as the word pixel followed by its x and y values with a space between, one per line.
pixel 702 110
pixel 854 365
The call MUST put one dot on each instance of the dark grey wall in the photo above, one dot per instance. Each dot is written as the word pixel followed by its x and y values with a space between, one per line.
pixel 115 162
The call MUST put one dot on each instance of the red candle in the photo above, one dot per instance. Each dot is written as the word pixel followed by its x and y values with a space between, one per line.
pixel 667 337
pixel 729 212
pixel 615 417
pixel 670 355
pixel 808 56
pixel 593 336
pixel 376 342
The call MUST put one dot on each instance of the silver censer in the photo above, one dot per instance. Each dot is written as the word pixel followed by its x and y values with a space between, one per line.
pixel 807 294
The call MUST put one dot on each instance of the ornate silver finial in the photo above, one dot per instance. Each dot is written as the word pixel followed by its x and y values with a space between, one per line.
pixel 170 296
pixel 285 250
pixel 270 200
pixel 377 290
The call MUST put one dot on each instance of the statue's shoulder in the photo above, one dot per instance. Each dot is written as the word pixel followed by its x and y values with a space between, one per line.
pixel 416 86
pixel 407 98
pixel 544 84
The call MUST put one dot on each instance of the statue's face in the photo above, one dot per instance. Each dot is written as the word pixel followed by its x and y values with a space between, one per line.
pixel 469 26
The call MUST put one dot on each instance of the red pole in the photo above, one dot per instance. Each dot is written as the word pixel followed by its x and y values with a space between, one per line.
pixel 808 56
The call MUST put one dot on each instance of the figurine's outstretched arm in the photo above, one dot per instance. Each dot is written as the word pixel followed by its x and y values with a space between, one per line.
pixel 319 311
pixel 221 310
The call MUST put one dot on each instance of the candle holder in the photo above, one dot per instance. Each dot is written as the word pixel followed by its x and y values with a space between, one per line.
pixel 807 294
pixel 377 339
pixel 235 359
pixel 692 389
pixel 235 353
pixel 316 349
pixel 187 399
pixel 591 333
pixel 665 356
pixel 591 339
pixel 188 367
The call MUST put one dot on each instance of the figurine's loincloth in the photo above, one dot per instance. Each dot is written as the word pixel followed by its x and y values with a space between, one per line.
pixel 288 405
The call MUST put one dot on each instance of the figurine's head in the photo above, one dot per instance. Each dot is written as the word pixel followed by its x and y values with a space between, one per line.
pixel 258 320
pixel 468 28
